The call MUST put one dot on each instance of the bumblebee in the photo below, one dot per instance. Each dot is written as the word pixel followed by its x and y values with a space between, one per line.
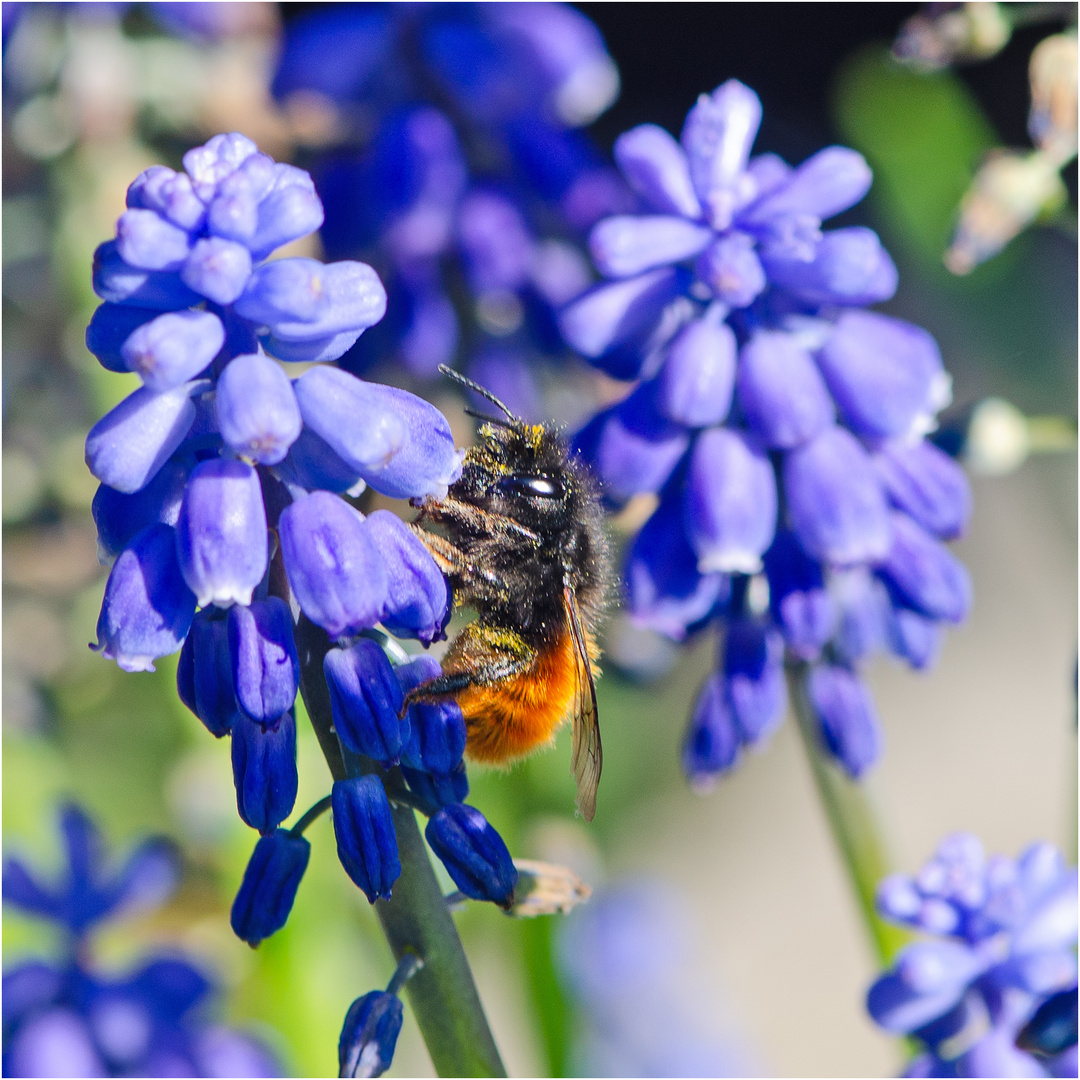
pixel 521 542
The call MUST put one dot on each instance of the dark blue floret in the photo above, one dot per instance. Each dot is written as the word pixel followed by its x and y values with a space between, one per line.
pixel 366 841
pixel 366 697
pixel 265 666
pixel 264 770
pixel 434 790
pixel 437 729
pixel 271 878
pixel 369 1034
pixel 204 675
pixel 473 853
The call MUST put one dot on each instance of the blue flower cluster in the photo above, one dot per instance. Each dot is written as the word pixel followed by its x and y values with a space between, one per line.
pixel 223 511
pixel 781 425
pixel 68 1019
pixel 998 970
pixel 461 120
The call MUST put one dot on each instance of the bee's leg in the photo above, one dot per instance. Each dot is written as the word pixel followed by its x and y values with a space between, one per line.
pixel 480 656
pixel 477 519
pixel 448 558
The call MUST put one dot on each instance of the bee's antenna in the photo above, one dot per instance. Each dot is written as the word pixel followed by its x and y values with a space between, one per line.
pixel 488 419
pixel 450 373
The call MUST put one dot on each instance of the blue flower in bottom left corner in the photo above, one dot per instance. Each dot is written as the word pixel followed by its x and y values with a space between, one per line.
pixel 68 1018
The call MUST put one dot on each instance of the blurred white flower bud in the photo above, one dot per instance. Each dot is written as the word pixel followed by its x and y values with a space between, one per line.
pixel 972 31
pixel 997 438
pixel 1052 121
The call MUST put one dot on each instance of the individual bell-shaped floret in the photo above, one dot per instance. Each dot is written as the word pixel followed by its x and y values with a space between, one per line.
pixel 173 348
pixel 781 392
pixel 927 484
pixel 434 790
pixel 312 465
pixel 417 598
pixel 128 445
pixel 828 182
pixel 147 241
pixel 370 1034
pixel 147 610
pixel 119 517
pixel 204 676
pixel 625 245
pixel 256 409
pixel 473 853
pixel 271 878
pixel 885 374
pixel 291 208
pixel 436 741
pixel 217 269
pixel 695 384
pixel 921 573
pixel 366 697
pixel 666 590
pixel 731 268
pixel 798 600
pixel 847 717
pixel 632 447
pixel 221 532
pixel 753 670
pixel 729 502
pixel 711 744
pixel 332 563
pixel 121 283
pixel 655 166
pixel 265 665
pixel 366 840
pixel 835 502
pixel 109 327
pixel 264 770
pixel 913 637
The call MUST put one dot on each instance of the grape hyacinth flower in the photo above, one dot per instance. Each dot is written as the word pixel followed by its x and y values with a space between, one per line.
pixel 66 1018
pixel 997 969
pixel 471 192
pixel 227 509
pixel 780 425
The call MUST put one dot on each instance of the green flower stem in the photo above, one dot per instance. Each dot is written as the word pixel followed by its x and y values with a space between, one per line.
pixel 442 993
pixel 852 819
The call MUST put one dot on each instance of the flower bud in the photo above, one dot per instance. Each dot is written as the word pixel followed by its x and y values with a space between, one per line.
pixel 631 447
pixel 312 465
pixel 655 166
pixel 845 710
pixel 623 246
pixel 886 375
pixel 781 391
pixel 209 164
pixel 927 485
pixel 147 610
pixel 109 327
pixel 436 741
pixel 366 697
pixel 914 638
pixel 271 878
pixel 731 268
pixel 170 194
pixel 829 182
pixel 473 853
pixel 835 502
pixel 221 532
pixel 666 591
pixel 923 574
pixel 753 667
pixel 434 790
pixel 218 269
pixel 695 384
pixel 256 409
pixel 800 606
pixel 366 841
pixel 128 445
pixel 369 1035
pixel 204 676
pixel 417 599
pixel 149 242
pixel 121 283
pixel 119 517
pixel 173 348
pixel 265 666
pixel 332 563
pixel 613 314
pixel 711 745
pixel 729 502
pixel 264 770
pixel 289 210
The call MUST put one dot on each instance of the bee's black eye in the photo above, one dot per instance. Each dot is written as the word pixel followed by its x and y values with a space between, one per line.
pixel 543 486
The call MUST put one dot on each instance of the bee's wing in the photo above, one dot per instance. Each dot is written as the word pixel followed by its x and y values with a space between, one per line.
pixel 588 756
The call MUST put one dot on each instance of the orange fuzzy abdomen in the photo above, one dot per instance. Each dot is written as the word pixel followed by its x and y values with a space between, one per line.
pixel 512 718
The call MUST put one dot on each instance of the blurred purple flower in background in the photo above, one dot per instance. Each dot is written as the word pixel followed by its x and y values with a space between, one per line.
pixel 780 425
pixel 999 967
pixel 70 1019
pixel 459 172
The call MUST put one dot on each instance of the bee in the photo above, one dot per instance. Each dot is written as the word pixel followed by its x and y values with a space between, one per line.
pixel 522 544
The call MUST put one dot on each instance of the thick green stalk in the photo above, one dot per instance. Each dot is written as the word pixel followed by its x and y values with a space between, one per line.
pixel 852 819
pixel 442 993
